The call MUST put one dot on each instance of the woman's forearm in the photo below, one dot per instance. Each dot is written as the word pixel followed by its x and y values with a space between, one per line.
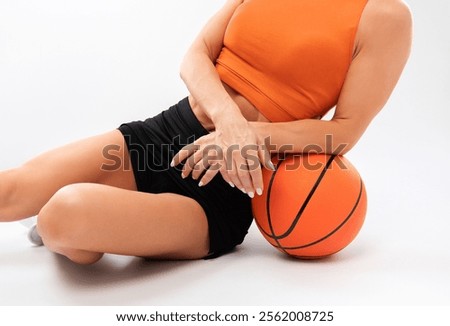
pixel 200 76
pixel 309 135
pixel 199 73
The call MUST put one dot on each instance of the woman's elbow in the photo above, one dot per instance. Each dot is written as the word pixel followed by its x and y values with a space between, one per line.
pixel 345 137
pixel 183 72
pixel 337 145
pixel 193 60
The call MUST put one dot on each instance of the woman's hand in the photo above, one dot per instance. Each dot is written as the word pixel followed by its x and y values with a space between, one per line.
pixel 234 150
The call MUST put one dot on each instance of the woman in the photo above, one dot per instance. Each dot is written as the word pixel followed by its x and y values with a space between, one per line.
pixel 260 75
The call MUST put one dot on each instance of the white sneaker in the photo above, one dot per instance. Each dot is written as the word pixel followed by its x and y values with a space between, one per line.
pixel 34 236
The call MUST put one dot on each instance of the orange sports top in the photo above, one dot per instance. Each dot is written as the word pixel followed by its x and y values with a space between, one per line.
pixel 289 58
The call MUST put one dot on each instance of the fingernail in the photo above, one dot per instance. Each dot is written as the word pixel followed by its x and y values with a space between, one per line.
pixel 243 190
pixel 231 184
pixel 172 164
pixel 200 184
pixel 259 191
pixel 272 166
pixel 251 194
pixel 183 176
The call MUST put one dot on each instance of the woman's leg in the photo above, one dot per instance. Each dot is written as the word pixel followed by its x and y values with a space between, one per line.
pixel 83 221
pixel 100 159
pixel 87 205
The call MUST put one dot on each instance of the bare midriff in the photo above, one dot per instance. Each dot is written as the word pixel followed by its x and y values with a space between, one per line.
pixel 248 110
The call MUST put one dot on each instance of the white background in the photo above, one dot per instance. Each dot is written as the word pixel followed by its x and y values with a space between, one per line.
pixel 71 69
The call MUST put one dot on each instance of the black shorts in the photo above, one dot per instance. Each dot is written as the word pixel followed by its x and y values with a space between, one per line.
pixel 153 143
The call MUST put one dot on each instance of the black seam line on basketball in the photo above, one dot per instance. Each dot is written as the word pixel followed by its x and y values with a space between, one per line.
pixel 338 227
pixel 307 200
pixel 273 236
pixel 269 187
pixel 269 191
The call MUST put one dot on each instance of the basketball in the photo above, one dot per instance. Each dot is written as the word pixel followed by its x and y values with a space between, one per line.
pixel 312 206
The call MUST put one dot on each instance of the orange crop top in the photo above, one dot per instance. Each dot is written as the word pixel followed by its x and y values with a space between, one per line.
pixel 289 58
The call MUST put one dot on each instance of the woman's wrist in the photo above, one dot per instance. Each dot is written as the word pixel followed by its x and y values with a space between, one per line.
pixel 227 114
pixel 262 132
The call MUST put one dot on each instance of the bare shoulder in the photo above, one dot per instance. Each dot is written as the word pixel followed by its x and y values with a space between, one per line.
pixel 388 11
pixel 234 2
pixel 385 21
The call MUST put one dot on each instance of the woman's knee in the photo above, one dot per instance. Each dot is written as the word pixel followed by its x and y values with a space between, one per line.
pixel 56 219
pixel 57 224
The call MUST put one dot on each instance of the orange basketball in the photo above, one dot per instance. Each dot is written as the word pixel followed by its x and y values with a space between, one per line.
pixel 312 206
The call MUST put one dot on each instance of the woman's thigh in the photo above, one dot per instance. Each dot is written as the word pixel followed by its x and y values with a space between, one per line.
pixel 99 159
pixel 94 219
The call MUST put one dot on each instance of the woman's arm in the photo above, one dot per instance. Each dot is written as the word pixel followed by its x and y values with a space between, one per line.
pixel 198 68
pixel 385 40
pixel 232 132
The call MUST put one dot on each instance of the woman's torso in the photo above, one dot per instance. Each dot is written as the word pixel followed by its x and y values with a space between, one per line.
pixel 248 110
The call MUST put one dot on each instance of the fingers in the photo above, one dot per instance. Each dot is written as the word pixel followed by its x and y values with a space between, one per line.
pixel 256 177
pixel 237 174
pixel 194 164
pixel 264 155
pixel 184 153
pixel 246 173
pixel 250 171
pixel 198 158
pixel 209 174
pixel 225 176
pixel 239 167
